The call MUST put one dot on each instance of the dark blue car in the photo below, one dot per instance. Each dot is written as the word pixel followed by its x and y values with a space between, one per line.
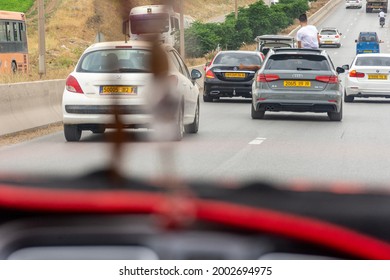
pixel 367 42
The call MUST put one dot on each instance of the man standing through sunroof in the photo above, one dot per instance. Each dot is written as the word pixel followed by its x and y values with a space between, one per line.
pixel 307 35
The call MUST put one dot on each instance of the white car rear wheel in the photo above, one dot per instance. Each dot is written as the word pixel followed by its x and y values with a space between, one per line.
pixel 72 132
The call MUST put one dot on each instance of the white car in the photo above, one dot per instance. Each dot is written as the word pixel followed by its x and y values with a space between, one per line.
pixel 368 76
pixel 353 4
pixel 330 36
pixel 115 77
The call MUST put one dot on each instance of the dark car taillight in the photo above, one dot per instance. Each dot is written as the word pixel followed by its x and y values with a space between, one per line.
pixel 355 74
pixel 73 85
pixel 210 74
pixel 328 79
pixel 263 78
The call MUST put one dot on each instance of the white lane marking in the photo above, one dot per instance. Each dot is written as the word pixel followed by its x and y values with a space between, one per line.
pixel 257 141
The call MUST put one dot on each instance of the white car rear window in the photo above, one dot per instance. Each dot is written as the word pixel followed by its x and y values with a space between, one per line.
pixel 115 60
pixel 373 61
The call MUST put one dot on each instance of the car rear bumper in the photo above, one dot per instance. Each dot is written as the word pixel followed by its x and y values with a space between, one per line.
pixel 228 89
pixel 359 51
pixel 330 42
pixel 81 109
pixel 108 120
pixel 317 102
pixel 297 107
pixel 367 92
pixel 372 89
pixel 106 109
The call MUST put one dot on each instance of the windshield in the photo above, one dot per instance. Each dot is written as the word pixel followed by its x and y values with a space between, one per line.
pixel 373 61
pixel 328 32
pixel 149 23
pixel 123 128
pixel 368 37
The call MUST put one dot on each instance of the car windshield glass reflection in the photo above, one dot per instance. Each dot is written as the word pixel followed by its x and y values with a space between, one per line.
pixel 297 62
pixel 328 32
pixel 371 61
pixel 112 61
pixel 237 59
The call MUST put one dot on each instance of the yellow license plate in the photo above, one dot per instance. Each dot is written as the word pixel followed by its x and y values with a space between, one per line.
pixel 117 90
pixel 377 76
pixel 368 51
pixel 297 84
pixel 235 75
pixel 328 42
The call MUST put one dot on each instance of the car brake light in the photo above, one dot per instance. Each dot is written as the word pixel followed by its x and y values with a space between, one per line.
pixel 356 74
pixel 73 85
pixel 337 36
pixel 328 79
pixel 263 78
pixel 210 74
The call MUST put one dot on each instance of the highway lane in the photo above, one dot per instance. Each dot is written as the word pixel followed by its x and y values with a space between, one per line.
pixel 232 146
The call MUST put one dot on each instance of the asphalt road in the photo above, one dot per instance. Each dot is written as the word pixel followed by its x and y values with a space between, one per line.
pixel 231 146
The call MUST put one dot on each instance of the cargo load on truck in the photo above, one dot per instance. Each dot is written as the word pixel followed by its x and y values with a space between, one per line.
pixel 376 6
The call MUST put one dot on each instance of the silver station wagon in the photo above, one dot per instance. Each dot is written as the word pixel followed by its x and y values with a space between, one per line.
pixel 297 80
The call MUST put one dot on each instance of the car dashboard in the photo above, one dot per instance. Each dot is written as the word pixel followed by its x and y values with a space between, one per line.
pixel 82 218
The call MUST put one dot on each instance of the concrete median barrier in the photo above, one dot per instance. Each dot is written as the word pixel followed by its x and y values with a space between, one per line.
pixel 29 105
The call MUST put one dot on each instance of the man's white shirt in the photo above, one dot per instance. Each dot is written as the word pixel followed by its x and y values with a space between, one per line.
pixel 308 37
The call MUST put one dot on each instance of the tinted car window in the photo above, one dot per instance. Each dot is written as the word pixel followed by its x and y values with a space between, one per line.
pixel 237 59
pixel 175 62
pixel 328 32
pixel 373 61
pixel 368 38
pixel 297 62
pixel 115 60
pixel 182 64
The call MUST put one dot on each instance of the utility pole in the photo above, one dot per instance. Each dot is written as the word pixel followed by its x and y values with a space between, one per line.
pixel 182 48
pixel 41 38
pixel 236 8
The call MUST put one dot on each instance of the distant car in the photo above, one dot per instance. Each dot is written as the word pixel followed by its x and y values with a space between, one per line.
pixel 353 4
pixel 266 42
pixel 113 77
pixel 367 42
pixel 330 36
pixel 224 78
pixel 297 80
pixel 368 76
